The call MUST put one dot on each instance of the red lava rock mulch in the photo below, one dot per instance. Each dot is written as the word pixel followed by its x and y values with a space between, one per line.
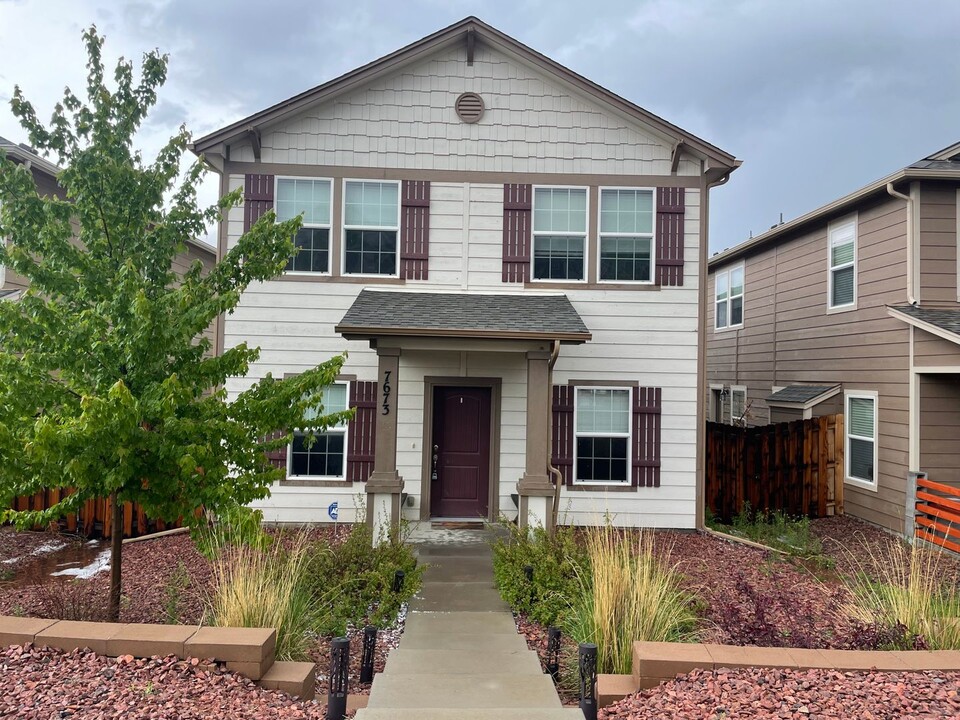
pixel 802 694
pixel 45 683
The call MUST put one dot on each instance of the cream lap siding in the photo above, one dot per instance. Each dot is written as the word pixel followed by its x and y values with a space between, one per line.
pixel 797 341
pixel 938 245
pixel 531 124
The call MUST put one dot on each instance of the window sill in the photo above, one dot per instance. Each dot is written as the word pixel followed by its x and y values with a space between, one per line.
pixel 728 328
pixel 601 487
pixel 544 285
pixel 307 483
pixel 351 279
pixel 841 309
pixel 862 484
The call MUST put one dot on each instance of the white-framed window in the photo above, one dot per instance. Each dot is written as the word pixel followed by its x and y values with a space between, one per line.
pixel 313 198
pixel 842 250
pixel 626 235
pixel 371 227
pixel 860 416
pixel 738 405
pixel 559 233
pixel 326 458
pixel 602 447
pixel 728 298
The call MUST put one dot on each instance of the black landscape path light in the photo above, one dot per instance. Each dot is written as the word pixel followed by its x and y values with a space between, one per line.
pixel 339 667
pixel 588 680
pixel 553 653
pixel 366 662
pixel 398 577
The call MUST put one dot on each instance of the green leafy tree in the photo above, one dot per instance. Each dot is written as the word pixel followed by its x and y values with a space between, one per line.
pixel 107 382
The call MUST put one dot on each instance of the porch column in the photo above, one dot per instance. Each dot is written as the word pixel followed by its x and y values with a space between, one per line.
pixel 385 484
pixel 535 489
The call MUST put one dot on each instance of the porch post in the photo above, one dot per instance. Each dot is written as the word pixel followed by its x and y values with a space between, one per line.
pixel 535 489
pixel 385 484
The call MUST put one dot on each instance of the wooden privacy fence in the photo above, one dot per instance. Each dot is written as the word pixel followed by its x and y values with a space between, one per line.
pixel 95 518
pixel 937 512
pixel 794 467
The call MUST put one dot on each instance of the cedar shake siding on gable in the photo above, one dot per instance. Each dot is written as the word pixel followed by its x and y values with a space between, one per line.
pixel 788 337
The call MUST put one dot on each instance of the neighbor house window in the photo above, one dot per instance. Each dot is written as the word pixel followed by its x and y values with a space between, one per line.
pixel 861 450
pixel 728 298
pixel 326 457
pixel 311 197
pixel 602 427
pixel 843 269
pixel 559 233
pixel 738 405
pixel 626 235
pixel 371 224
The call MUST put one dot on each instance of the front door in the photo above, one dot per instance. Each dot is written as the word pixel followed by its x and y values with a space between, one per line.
pixel 460 455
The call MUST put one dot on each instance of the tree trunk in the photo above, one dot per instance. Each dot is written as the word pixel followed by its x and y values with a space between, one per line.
pixel 116 548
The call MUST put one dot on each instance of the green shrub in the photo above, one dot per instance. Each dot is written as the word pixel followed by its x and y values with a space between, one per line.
pixel 173 591
pixel 624 594
pixel 554 561
pixel 354 580
pixel 236 525
pixel 792 535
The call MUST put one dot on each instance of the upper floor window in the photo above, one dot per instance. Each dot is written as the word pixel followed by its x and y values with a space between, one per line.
pixel 325 456
pixel 371 225
pixel 312 198
pixel 559 233
pixel 626 235
pixel 602 435
pixel 842 241
pixel 728 287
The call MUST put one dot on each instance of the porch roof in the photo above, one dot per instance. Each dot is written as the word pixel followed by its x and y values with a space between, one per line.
pixel 806 395
pixel 945 323
pixel 377 313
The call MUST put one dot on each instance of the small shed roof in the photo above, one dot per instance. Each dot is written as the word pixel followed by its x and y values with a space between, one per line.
pixel 430 314
pixel 802 394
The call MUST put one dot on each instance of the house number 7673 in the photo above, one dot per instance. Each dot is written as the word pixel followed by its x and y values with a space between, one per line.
pixel 386 392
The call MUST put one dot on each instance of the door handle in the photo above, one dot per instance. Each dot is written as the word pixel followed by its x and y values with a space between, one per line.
pixel 433 474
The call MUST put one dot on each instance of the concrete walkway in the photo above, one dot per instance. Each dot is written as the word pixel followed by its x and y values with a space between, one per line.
pixel 460 655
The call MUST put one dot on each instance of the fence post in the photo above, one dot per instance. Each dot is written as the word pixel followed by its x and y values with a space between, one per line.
pixel 910 509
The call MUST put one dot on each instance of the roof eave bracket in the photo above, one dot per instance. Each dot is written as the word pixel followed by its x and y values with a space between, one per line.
pixel 471 44
pixel 254 134
pixel 675 156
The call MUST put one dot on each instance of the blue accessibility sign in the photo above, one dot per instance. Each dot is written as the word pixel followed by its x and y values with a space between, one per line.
pixel 333 510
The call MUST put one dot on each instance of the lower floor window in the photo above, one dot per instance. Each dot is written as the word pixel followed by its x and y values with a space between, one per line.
pixel 602 427
pixel 323 455
pixel 861 420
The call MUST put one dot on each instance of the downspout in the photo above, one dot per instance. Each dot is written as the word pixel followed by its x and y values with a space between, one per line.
pixel 557 476
pixel 911 240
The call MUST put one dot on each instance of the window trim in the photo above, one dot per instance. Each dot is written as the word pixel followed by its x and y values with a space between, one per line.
pixel 727 272
pixel 586 235
pixel 743 390
pixel 854 220
pixel 344 227
pixel 346 440
pixel 601 235
pixel 858 482
pixel 629 435
pixel 328 227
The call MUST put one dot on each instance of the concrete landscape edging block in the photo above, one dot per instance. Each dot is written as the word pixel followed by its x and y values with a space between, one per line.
pixel 613 688
pixel 149 640
pixel 232 644
pixel 21 630
pixel 70 635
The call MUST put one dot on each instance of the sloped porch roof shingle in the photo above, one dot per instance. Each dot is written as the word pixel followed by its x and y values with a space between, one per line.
pixel 426 314
pixel 945 320
pixel 800 394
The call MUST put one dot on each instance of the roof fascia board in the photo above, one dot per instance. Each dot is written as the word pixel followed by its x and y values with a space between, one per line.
pixel 945 154
pixel 44 166
pixel 363 333
pixel 923 325
pixel 439 40
pixel 839 205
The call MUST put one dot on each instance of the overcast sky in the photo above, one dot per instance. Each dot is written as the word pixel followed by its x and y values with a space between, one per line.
pixel 817 97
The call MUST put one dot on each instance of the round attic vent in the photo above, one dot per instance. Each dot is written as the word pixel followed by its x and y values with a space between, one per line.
pixel 469 107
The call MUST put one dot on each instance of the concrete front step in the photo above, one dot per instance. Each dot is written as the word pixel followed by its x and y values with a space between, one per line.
pixel 458 597
pixel 470 714
pixel 458 692
pixel 475 642
pixel 460 623
pixel 461 662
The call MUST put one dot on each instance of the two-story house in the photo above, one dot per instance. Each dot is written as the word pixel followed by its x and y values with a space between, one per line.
pixel 852 308
pixel 512 257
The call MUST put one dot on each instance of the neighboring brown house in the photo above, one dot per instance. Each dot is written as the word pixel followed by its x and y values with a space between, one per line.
pixel 45 176
pixel 852 308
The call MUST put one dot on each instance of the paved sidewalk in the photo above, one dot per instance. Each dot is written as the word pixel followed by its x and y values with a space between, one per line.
pixel 460 655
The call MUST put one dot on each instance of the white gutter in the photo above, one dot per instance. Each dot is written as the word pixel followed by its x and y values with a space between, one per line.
pixel 910 239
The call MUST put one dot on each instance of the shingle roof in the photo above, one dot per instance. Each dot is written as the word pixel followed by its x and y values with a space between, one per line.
pixel 9 294
pixel 800 393
pixel 948 320
pixel 376 313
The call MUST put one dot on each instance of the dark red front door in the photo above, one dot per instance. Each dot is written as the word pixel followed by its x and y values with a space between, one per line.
pixel 460 477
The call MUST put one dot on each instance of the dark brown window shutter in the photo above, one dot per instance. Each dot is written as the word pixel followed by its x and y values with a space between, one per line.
pixel 278 457
pixel 670 210
pixel 562 456
pixel 414 229
pixel 517 232
pixel 362 431
pixel 646 437
pixel 257 198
